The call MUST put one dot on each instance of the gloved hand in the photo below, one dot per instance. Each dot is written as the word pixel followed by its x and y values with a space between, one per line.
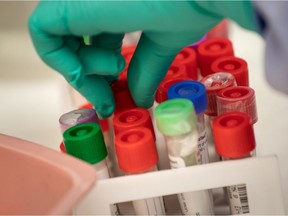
pixel 57 27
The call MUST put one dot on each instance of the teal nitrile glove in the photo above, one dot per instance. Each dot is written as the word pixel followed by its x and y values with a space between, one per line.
pixel 57 28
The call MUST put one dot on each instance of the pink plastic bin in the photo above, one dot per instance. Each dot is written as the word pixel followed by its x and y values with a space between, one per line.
pixel 36 180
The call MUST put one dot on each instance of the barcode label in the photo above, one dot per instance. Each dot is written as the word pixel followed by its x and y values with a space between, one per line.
pixel 238 199
pixel 243 198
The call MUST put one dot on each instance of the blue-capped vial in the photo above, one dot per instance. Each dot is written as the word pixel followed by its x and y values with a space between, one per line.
pixel 192 90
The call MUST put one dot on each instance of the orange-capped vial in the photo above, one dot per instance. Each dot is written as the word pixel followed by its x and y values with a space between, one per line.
pixel 188 58
pixel 162 91
pixel 122 96
pixel 136 153
pixel 236 66
pixel 214 83
pixel 237 99
pixel 132 118
pixel 210 50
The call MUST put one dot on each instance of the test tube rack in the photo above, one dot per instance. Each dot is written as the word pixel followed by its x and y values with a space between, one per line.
pixel 260 174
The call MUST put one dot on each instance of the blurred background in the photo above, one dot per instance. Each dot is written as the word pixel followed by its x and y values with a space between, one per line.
pixel 33 96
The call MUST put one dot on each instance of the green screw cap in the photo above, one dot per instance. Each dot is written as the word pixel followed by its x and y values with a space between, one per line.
pixel 176 117
pixel 86 142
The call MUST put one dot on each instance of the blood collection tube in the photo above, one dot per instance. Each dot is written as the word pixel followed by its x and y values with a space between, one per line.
pixel 162 91
pixel 104 124
pixel 214 83
pixel 234 139
pixel 127 52
pixel 85 115
pixel 237 99
pixel 136 153
pixel 176 70
pixel 210 50
pixel 122 96
pixel 131 118
pixel 188 58
pixel 86 142
pixel 196 93
pixel 75 117
pixel 177 120
pixel 140 117
pixel 161 96
pixel 78 116
pixel 236 66
pixel 219 31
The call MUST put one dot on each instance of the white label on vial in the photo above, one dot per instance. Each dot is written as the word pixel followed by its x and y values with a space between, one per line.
pixel 151 206
pixel 238 199
pixel 202 153
pixel 196 203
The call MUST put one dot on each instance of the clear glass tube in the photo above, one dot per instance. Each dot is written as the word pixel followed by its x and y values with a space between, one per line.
pixel 202 156
pixel 182 152
pixel 103 173
pixel 163 162
pixel 150 206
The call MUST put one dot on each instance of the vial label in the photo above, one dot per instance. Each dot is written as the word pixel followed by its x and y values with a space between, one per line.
pixel 202 152
pixel 238 199
pixel 195 203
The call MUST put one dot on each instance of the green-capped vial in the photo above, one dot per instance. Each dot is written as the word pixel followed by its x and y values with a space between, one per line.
pixel 86 142
pixel 176 117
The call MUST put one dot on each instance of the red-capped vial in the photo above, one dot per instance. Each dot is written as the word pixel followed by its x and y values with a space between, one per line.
pixel 234 139
pixel 233 135
pixel 162 91
pixel 236 66
pixel 196 44
pixel 237 99
pixel 136 153
pixel 132 118
pixel 210 50
pixel 219 31
pixel 136 150
pixel 176 70
pixel 214 83
pixel 188 58
pixel 122 96
pixel 127 52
